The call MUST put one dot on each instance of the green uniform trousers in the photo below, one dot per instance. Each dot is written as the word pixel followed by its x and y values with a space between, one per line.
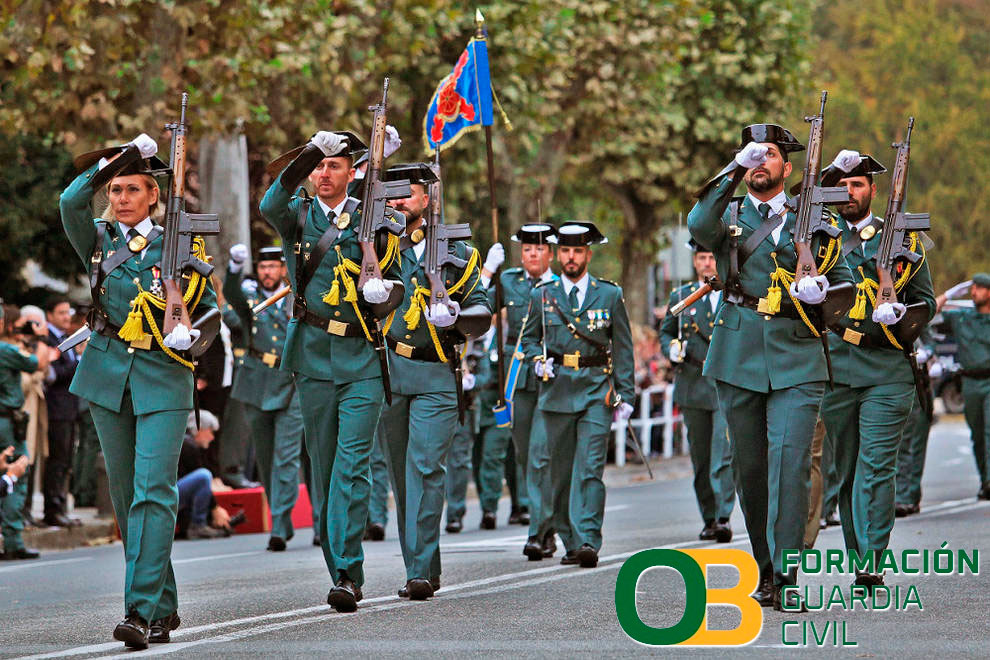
pixel 976 402
pixel 515 479
pixel 378 506
pixel 771 451
pixel 340 422
pixel 84 460
pixel 911 456
pixel 142 457
pixel 459 471
pixel 417 431
pixel 830 477
pixel 526 429
pixel 711 457
pixel 538 479
pixel 12 520
pixel 278 438
pixel 494 466
pixel 865 425
pixel 578 444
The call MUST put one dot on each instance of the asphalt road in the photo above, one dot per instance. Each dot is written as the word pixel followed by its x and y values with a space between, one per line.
pixel 236 600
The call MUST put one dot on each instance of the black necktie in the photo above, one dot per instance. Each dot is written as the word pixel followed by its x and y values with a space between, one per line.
pixel 533 281
pixel 764 210
pixel 572 298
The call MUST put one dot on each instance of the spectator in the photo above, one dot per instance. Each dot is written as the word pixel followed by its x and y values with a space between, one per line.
pixel 10 471
pixel 63 414
pixel 33 386
pixel 195 483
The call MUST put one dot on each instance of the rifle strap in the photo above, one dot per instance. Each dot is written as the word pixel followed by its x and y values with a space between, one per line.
pixel 307 269
pixel 732 280
pixel 857 239
pixel 765 229
pixel 122 255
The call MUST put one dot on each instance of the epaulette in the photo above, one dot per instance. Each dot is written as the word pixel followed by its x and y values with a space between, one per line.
pixel 603 280
pixel 512 271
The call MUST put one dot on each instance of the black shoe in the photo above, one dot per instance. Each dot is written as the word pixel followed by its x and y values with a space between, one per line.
pixel 276 544
pixel 832 520
pixel 60 520
pixel 419 589
pixel 488 520
pixel 723 533
pixel 984 492
pixel 519 516
pixel 133 632
pixel 587 556
pixel 570 558
pixel 549 543
pixel 789 602
pixel 345 596
pixel 533 549
pixel 20 553
pixel 238 481
pixel 708 531
pixel 454 526
pixel 867 581
pixel 204 532
pixel 316 540
pixel 764 593
pixel 375 532
pixel 160 628
pixel 524 517
pixel 404 589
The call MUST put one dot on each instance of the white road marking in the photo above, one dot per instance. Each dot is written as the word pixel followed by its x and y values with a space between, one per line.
pixel 35 564
pixel 212 557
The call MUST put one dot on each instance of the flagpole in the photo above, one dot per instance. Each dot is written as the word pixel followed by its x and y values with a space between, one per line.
pixel 499 298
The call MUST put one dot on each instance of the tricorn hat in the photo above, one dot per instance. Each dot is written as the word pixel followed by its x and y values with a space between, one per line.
pixel 353 149
pixel 778 135
pixel 695 246
pixel 154 166
pixel 537 233
pixel 270 253
pixel 575 234
pixel 420 173
pixel 868 165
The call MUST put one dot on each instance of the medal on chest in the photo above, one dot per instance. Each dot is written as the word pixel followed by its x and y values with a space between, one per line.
pixel 343 221
pixel 156 288
pixel 868 232
pixel 597 318
pixel 137 243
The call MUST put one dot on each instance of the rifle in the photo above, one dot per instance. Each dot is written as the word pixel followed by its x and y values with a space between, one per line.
pixel 896 226
pixel 180 228
pixel 271 300
pixel 375 212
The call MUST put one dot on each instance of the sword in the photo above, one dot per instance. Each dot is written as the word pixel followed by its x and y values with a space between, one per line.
pixel 378 342
pixel 634 441
pixel 76 338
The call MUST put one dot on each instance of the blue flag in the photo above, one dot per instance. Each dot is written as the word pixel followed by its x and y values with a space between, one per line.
pixel 463 100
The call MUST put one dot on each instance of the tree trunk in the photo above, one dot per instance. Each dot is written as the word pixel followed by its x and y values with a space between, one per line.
pixel 223 173
pixel 637 250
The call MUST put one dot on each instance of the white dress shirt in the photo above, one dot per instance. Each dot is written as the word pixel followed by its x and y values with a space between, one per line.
pixel 144 228
pixel 337 210
pixel 858 227
pixel 581 284
pixel 776 208
pixel 713 298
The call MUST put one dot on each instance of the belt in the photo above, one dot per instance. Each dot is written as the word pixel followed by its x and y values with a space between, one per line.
pixel 975 373
pixel 423 354
pixel 338 328
pixel 863 340
pixel 103 326
pixel 787 309
pixel 577 361
pixel 270 359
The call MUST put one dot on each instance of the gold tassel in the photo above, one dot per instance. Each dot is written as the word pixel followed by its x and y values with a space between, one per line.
pixel 413 314
pixel 133 329
pixel 773 299
pixel 333 295
pixel 858 311
pixel 350 290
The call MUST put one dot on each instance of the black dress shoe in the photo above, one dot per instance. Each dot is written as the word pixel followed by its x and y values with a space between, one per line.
pixel 316 540
pixel 789 601
pixel 403 591
pixel 375 532
pixel 533 549
pixel 832 520
pixel 549 543
pixel 708 531
pixel 60 520
pixel 345 596
pixel 723 533
pixel 419 589
pixel 454 526
pixel 488 520
pixel 570 558
pixel 20 553
pixel 764 593
pixel 160 628
pixel 524 516
pixel 587 556
pixel 514 516
pixel 276 544
pixel 867 581
pixel 133 632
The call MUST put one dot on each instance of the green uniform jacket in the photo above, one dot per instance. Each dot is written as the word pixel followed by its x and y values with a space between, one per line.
pixel 157 382
pixel 691 388
pixel 12 363
pixel 750 350
pixel 971 330
pixel 858 366
pixel 574 390
pixel 411 377
pixel 309 350
pixel 255 382
pixel 516 293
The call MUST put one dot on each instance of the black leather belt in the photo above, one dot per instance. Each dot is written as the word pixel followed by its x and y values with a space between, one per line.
pixel 338 328
pixel 577 361
pixel 269 359
pixel 975 373
pixel 423 354
pixel 103 326
pixel 787 309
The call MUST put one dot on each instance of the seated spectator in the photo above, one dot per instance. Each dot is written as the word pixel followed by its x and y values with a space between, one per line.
pixel 195 483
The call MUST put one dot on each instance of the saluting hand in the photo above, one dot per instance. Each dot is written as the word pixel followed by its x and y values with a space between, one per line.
pixel 846 160
pixel 238 255
pixel 147 147
pixel 331 144
pixel 752 155
pixel 392 141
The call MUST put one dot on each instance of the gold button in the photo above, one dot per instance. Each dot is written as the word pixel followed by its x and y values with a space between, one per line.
pixel 275 325
pixel 856 323
pixel 773 255
pixel 765 318
pixel 337 313
pixel 130 349
pixel 711 324
pixel 274 338
pixel 720 321
pixel 103 291
pixel 408 336
pixel 137 280
pixel 307 244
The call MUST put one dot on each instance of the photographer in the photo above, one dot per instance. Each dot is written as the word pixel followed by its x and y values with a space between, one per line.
pixel 20 351
pixel 199 517
pixel 10 470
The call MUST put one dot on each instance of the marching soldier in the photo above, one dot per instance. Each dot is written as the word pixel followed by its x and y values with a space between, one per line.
pixel 416 430
pixel 328 345
pixel 685 341
pixel 462 458
pixel 269 394
pixel 378 505
pixel 581 347
pixel 873 391
pixel 971 329
pixel 528 433
pixel 767 362
pixel 140 391
pixel 495 441
pixel 914 440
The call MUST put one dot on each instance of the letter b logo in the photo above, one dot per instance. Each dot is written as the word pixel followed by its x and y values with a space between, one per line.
pixel 692 629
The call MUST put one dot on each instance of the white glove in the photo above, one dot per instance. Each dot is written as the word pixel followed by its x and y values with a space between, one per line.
pixel 443 315
pixel 810 290
pixel 331 144
pixel 936 370
pixel 146 146
pixel 238 255
pixel 542 368
pixel 624 411
pixel 676 353
pixel 751 155
pixel 889 313
pixel 392 141
pixel 249 287
pixel 922 355
pixel 181 338
pixel 846 160
pixel 467 381
pixel 494 258
pixel 376 290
